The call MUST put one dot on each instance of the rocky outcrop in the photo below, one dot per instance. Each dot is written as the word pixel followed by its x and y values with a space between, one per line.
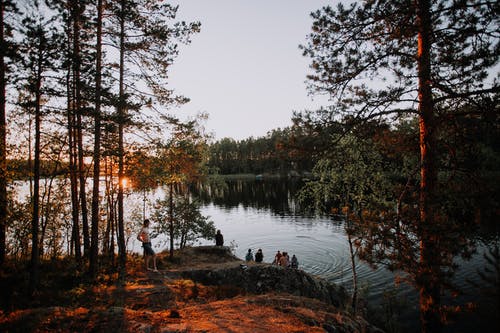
pixel 264 278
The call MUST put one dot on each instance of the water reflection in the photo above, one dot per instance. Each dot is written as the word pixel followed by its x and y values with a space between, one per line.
pixel 273 194
pixel 263 214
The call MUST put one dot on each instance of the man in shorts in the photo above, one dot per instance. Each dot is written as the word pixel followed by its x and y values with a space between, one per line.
pixel 146 244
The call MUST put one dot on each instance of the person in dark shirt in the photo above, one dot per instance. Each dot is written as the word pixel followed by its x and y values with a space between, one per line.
pixel 295 262
pixel 259 256
pixel 219 239
pixel 249 256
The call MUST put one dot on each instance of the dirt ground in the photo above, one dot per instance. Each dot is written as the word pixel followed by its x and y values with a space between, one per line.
pixel 164 302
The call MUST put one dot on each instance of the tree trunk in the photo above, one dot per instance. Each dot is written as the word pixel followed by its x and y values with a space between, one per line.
pixel 171 219
pixel 94 250
pixel 3 145
pixel 109 205
pixel 428 281
pixel 76 61
pixel 121 119
pixel 75 207
pixel 46 211
pixel 35 256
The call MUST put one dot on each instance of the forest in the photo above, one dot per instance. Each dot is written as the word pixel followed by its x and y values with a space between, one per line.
pixel 408 151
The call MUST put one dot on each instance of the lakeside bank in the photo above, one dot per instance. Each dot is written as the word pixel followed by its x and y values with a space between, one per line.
pixel 204 289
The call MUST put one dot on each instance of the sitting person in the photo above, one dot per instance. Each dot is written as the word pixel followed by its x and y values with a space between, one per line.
pixel 295 262
pixel 277 258
pixel 259 256
pixel 284 262
pixel 249 256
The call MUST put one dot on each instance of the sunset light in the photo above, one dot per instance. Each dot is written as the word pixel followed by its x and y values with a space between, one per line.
pixel 249 166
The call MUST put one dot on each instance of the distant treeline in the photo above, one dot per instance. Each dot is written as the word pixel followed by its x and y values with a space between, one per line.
pixel 23 169
pixel 255 155
pixel 468 150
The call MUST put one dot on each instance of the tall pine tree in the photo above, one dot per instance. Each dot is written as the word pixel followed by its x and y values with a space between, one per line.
pixel 377 57
pixel 146 37
pixel 7 50
pixel 38 58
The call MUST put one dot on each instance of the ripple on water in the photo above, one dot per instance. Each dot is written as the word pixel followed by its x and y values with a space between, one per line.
pixel 321 247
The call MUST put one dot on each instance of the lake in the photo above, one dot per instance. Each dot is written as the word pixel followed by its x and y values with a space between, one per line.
pixel 263 214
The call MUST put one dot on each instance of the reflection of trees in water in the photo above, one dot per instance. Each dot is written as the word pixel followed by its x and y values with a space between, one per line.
pixel 457 240
pixel 278 195
pixel 488 284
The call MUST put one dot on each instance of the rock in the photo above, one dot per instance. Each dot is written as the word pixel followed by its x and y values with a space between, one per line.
pixel 265 278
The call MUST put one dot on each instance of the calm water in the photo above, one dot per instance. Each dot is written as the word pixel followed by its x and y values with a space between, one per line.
pixel 263 214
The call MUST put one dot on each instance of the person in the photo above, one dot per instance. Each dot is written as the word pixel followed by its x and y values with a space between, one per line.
pixel 277 258
pixel 146 244
pixel 295 262
pixel 259 256
pixel 283 262
pixel 249 256
pixel 219 239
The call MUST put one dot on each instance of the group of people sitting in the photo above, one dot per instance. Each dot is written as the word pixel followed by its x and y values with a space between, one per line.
pixel 259 256
pixel 280 259
pixel 283 259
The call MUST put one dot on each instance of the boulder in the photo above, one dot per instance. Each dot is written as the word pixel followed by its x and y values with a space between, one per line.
pixel 265 278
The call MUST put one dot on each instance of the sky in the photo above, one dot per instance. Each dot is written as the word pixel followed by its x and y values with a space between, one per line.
pixel 244 69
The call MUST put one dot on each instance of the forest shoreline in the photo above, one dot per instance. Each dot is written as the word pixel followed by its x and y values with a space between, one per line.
pixel 178 298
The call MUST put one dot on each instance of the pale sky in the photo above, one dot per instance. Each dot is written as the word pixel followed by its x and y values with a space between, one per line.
pixel 245 68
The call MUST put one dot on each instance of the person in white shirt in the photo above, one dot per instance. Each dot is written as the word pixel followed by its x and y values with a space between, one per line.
pixel 146 244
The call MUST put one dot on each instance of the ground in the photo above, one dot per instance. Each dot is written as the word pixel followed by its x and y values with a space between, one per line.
pixel 165 302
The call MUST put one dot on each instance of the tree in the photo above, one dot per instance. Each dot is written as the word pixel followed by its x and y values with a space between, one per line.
pixel 350 179
pixel 75 17
pixel 3 141
pixel 147 45
pixel 431 54
pixel 6 51
pixel 188 224
pixel 77 9
pixel 39 57
pixel 181 162
pixel 141 173
pixel 94 248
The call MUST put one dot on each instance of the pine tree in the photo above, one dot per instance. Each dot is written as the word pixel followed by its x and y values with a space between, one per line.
pixel 146 40
pixel 94 249
pixel 377 58
pixel 7 48
pixel 39 57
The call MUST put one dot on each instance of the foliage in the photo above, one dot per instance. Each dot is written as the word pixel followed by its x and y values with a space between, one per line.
pixel 188 222
pixel 253 155
pixel 370 172
pixel 376 59
pixel 354 46
pixel 353 174
pixel 148 41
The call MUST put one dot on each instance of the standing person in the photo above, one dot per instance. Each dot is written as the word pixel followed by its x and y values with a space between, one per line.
pixel 249 256
pixel 146 244
pixel 295 262
pixel 259 256
pixel 219 239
